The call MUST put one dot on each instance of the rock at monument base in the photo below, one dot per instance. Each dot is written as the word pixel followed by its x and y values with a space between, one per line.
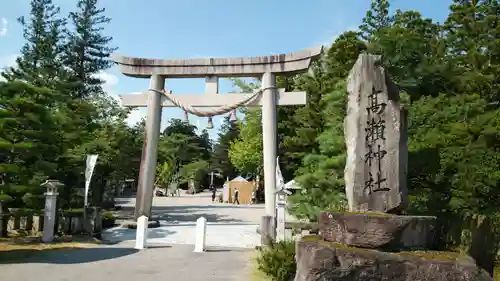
pixel 378 231
pixel 321 261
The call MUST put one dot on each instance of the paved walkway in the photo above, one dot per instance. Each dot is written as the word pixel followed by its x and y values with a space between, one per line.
pixel 108 263
pixel 228 225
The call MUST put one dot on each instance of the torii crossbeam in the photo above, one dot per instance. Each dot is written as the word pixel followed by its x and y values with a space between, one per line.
pixel 264 68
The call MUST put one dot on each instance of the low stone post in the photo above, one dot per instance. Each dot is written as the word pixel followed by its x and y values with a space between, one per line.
pixel 97 219
pixel 141 236
pixel 201 234
pixel 267 230
pixel 4 216
pixel 49 217
pixel 280 214
pixel 92 220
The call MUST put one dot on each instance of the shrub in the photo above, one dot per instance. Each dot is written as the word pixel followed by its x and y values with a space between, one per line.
pixel 278 261
pixel 108 220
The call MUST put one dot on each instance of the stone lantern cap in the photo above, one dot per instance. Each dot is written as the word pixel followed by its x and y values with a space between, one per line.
pixel 52 186
pixel 281 195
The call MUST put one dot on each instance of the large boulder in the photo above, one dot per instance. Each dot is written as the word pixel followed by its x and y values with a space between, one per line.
pixel 321 261
pixel 378 230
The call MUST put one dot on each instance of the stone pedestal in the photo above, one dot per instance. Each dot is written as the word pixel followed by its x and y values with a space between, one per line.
pixel 378 230
pixel 49 218
pixel 4 217
pixel 280 215
pixel 50 215
pixel 267 230
pixel 320 260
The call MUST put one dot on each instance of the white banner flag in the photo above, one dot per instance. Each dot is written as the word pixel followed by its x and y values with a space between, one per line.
pixel 89 169
pixel 280 182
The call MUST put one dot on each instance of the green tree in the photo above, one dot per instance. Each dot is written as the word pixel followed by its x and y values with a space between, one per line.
pixel 195 172
pixel 88 50
pixel 473 40
pixel 377 18
pixel 29 141
pixel 220 162
pixel 322 170
pixel 245 152
pixel 40 61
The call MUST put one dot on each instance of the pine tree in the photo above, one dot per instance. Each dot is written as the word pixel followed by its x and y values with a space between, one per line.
pixel 29 141
pixel 40 61
pixel 376 19
pixel 88 49
pixel 473 37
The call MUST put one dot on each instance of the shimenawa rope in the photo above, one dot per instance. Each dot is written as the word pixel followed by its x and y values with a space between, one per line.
pixel 212 112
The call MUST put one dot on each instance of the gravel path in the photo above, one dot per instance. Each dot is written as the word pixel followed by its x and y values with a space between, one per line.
pixel 108 263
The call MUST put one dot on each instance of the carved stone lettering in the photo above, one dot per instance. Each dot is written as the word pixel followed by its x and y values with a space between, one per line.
pixel 376 138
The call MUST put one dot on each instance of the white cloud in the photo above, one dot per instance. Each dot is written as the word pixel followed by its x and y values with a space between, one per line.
pixel 110 81
pixel 3 26
pixel 136 115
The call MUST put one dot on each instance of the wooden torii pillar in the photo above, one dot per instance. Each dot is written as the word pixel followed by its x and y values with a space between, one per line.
pixel 264 68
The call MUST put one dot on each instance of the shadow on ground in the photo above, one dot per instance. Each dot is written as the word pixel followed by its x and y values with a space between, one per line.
pixel 64 255
pixel 119 234
pixel 187 213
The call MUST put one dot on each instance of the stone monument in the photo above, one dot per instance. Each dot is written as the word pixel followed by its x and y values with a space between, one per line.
pixel 373 241
pixel 375 130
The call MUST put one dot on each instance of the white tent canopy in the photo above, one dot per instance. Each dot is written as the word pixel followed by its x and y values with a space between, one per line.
pixel 239 178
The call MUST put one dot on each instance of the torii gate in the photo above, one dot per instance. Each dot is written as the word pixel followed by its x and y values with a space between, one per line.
pixel 264 68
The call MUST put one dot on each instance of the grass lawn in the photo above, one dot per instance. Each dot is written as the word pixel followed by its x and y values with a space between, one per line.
pixel 15 249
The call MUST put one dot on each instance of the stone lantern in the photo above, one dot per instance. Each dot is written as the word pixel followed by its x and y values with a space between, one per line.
pixel 49 217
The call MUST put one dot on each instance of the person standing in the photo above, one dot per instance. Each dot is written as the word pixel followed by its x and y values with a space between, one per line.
pixel 253 197
pixel 214 191
pixel 236 197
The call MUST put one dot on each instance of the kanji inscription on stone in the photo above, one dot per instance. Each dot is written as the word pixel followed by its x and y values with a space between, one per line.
pixel 376 139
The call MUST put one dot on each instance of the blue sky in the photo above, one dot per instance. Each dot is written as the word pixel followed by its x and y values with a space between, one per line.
pixel 215 28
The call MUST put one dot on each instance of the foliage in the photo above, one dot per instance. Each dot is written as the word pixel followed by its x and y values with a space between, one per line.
pixel 194 172
pixel 28 140
pixel 321 174
pixel 245 152
pixel 454 155
pixel 87 50
pixel 108 220
pixel 278 261
pixel 40 61
pixel 220 161
pixel 164 173
pixel 50 125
